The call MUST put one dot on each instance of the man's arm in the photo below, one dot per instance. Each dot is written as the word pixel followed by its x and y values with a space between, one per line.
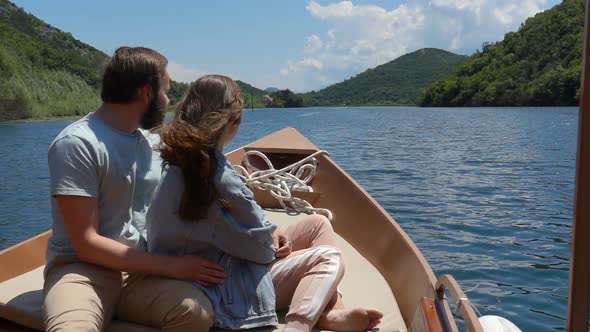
pixel 80 215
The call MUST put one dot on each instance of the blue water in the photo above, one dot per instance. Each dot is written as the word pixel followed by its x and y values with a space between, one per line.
pixel 485 193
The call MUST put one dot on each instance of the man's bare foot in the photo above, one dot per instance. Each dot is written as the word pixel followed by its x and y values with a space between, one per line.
pixel 348 320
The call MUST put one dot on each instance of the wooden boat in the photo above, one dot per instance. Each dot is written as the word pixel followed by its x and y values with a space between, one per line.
pixel 384 269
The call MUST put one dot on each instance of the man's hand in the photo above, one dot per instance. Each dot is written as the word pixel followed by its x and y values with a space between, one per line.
pixel 282 243
pixel 194 268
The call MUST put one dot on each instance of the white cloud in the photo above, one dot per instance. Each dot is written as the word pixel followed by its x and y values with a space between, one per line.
pixel 364 36
pixel 182 73
pixel 293 67
pixel 310 62
pixel 504 15
pixel 473 5
pixel 314 44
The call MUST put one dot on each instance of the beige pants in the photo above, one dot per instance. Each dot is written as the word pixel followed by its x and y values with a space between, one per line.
pixel 85 297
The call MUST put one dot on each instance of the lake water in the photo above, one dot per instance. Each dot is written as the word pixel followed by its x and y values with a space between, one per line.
pixel 485 193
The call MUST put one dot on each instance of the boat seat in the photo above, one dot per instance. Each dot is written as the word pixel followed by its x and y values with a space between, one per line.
pixel 21 297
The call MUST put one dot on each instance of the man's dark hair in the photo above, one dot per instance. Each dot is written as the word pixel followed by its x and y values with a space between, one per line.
pixel 129 69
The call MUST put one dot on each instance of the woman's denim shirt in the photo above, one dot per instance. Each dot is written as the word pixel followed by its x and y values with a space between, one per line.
pixel 236 237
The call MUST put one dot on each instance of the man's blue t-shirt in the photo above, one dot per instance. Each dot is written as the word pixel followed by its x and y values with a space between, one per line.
pixel 89 158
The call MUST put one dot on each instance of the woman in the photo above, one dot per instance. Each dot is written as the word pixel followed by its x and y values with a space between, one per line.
pixel 202 207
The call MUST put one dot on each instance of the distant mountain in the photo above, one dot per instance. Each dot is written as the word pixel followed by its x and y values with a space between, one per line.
pixel 247 88
pixel 284 99
pixel 249 92
pixel 271 89
pixel 540 64
pixel 177 89
pixel 397 82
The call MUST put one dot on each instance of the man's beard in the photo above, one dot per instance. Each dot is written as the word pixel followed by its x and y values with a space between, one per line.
pixel 155 114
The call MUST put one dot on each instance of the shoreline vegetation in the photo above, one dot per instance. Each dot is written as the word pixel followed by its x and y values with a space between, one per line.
pixel 46 74
pixel 56 118
pixel 44 119
pixel 171 112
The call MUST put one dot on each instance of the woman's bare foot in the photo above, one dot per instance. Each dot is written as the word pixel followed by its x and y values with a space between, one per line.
pixel 348 320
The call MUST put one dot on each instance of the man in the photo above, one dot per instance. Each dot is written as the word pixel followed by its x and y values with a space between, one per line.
pixel 103 176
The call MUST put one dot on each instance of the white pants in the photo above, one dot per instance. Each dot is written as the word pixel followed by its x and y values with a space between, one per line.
pixel 306 280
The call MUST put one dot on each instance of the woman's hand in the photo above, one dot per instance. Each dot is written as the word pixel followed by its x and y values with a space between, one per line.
pixel 194 268
pixel 282 243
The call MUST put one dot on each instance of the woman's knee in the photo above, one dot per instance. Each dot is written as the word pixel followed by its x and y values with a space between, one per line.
pixel 319 223
pixel 331 255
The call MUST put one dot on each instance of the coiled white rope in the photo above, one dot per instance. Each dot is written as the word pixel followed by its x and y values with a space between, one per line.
pixel 282 182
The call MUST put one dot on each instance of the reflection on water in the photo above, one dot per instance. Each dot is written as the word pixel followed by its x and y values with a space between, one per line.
pixel 485 193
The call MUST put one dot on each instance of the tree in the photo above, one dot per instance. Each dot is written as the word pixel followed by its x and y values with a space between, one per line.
pixel 7 65
pixel 540 64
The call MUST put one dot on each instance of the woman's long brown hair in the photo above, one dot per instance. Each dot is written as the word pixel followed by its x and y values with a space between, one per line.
pixel 190 140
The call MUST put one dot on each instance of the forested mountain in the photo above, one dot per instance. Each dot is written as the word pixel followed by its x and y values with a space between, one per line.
pixel 540 64
pixel 397 82
pixel 177 89
pixel 284 99
pixel 45 72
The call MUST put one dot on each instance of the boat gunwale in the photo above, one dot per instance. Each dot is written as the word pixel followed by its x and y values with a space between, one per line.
pixel 388 268
pixel 12 256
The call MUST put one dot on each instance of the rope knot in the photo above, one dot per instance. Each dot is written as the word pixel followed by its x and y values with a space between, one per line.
pixel 283 182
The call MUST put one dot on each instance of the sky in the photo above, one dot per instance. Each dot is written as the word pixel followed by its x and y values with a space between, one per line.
pixel 295 44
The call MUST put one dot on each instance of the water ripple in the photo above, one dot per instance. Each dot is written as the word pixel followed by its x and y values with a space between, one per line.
pixel 485 193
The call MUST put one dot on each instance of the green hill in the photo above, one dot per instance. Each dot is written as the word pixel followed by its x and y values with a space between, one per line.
pixel 284 99
pixel 397 82
pixel 45 72
pixel 177 89
pixel 249 92
pixel 540 64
